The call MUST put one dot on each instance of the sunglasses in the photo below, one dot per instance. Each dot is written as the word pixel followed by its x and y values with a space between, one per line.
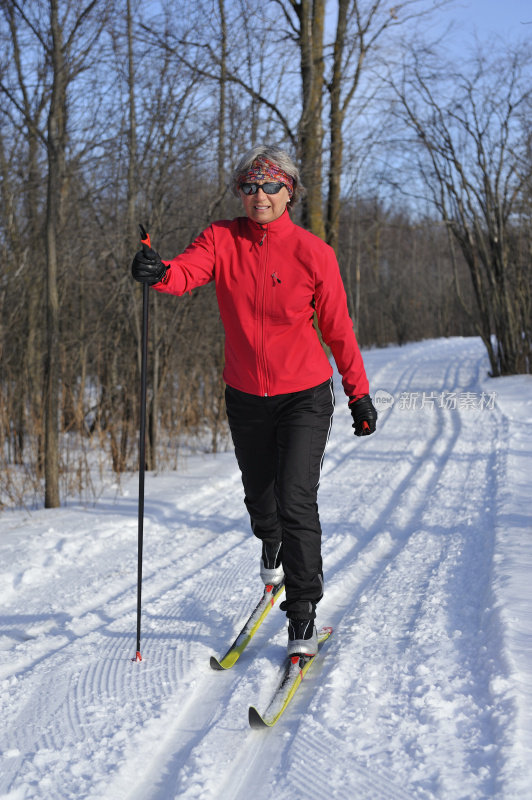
pixel 268 188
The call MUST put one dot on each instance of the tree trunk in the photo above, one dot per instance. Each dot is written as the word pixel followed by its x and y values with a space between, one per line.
pixel 221 113
pixel 336 115
pixel 312 20
pixel 56 160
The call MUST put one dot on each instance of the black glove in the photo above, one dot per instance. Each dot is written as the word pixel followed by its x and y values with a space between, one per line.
pixel 147 266
pixel 364 416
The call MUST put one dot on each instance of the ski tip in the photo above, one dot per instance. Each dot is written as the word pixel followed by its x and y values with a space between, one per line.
pixel 228 661
pixel 255 720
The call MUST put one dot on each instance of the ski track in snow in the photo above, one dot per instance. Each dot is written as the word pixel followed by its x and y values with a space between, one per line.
pixel 421 692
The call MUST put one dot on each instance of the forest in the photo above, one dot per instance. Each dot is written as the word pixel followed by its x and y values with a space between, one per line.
pixel 417 167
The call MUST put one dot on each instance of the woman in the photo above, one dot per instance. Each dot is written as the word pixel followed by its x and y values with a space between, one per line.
pixel 271 276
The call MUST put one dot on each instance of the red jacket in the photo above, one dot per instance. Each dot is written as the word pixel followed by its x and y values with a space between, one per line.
pixel 269 280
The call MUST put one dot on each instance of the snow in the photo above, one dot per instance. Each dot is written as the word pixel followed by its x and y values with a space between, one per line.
pixel 422 692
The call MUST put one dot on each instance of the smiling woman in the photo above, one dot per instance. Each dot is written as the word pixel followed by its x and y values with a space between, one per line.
pixel 271 277
pixel 264 202
pixel 264 187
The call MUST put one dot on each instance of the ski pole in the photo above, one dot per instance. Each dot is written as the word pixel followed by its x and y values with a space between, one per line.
pixel 145 239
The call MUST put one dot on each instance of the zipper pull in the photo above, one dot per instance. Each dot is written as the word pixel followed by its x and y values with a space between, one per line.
pixel 275 278
pixel 263 238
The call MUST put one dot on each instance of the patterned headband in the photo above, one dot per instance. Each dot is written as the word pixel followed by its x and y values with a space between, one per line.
pixel 263 169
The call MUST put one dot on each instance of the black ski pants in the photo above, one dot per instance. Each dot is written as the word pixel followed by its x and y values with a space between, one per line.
pixel 279 445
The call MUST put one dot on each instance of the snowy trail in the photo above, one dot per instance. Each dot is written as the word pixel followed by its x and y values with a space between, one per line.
pixel 423 690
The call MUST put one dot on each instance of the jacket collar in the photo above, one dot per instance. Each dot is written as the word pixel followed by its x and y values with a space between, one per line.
pixel 279 226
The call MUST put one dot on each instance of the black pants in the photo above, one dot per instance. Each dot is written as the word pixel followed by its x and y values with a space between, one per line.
pixel 279 444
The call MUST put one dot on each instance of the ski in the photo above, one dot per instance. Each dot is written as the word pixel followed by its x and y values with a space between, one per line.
pixel 294 670
pixel 255 620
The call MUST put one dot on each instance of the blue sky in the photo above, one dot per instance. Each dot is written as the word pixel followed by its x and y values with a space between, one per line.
pixel 486 17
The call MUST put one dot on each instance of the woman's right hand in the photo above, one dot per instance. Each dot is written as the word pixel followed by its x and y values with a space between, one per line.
pixel 147 266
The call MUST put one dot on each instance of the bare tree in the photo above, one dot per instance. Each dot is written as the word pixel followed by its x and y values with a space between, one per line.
pixel 332 73
pixel 61 40
pixel 473 141
pixel 23 111
pixel 364 33
pixel 306 21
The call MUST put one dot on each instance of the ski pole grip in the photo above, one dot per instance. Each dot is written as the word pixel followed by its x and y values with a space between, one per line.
pixel 144 237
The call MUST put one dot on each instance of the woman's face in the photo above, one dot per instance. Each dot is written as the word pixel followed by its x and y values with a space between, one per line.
pixel 262 207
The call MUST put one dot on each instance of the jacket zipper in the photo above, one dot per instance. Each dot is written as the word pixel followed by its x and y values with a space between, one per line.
pixel 263 261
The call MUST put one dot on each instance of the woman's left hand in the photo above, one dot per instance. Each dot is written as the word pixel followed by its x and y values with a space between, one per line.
pixel 364 416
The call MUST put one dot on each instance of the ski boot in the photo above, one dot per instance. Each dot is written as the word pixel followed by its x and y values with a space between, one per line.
pixel 271 568
pixel 302 637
